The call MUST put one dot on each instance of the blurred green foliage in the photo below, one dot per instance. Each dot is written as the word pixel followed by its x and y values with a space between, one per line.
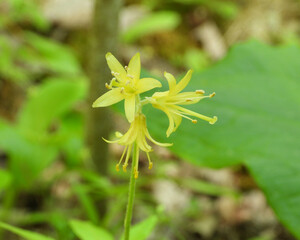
pixel 257 103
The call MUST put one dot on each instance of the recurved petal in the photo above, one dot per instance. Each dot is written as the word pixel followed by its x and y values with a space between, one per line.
pixel 170 117
pixel 184 81
pixel 155 142
pixel 130 107
pixel 171 81
pixel 177 120
pixel 116 67
pixel 134 67
pixel 146 84
pixel 111 97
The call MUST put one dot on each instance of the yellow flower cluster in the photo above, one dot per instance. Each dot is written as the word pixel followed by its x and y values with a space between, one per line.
pixel 126 85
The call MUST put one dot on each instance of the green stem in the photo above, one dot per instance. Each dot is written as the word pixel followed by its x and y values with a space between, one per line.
pixel 131 193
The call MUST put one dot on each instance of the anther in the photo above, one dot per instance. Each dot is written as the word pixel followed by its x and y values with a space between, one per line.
pixel 150 165
pixel 188 100
pixel 126 68
pixel 194 121
pixel 107 86
pixel 200 91
pixel 112 73
pixel 212 95
pixel 213 120
pixel 117 167
pixel 122 89
pixel 136 173
pixel 124 167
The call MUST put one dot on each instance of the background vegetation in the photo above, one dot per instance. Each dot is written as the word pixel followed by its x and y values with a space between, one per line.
pixel 238 179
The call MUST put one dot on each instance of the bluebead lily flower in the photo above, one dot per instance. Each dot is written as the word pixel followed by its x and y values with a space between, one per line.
pixel 125 85
pixel 169 102
pixel 137 133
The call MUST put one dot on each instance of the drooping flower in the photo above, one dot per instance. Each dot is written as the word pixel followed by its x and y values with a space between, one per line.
pixel 126 84
pixel 138 134
pixel 170 101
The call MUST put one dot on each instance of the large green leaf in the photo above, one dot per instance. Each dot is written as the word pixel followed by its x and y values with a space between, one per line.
pixel 88 231
pixel 5 179
pixel 143 230
pixel 258 105
pixel 30 144
pixel 25 234
pixel 48 101
pixel 27 158
pixel 51 54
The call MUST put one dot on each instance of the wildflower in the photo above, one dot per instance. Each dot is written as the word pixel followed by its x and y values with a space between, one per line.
pixel 138 134
pixel 126 84
pixel 170 100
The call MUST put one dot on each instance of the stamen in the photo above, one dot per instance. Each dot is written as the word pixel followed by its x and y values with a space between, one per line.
pixel 126 68
pixel 124 167
pixel 150 162
pixel 194 121
pixel 212 95
pixel 195 114
pixel 122 89
pixel 127 158
pixel 128 75
pixel 107 86
pixel 200 91
pixel 188 100
pixel 182 115
pixel 121 159
pixel 136 173
pixel 213 120
pixel 136 167
pixel 118 167
pixel 112 73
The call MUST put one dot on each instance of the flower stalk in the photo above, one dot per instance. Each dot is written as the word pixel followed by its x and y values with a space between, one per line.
pixel 131 193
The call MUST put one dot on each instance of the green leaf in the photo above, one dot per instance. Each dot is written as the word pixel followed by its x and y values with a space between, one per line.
pixel 87 231
pixel 5 179
pixel 143 230
pixel 28 235
pixel 257 103
pixel 225 9
pixel 156 22
pixel 55 56
pixel 27 158
pixel 49 101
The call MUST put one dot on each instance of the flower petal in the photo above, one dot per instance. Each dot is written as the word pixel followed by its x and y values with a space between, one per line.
pixel 130 107
pixel 170 116
pixel 184 81
pixel 195 114
pixel 171 81
pixel 155 142
pixel 134 67
pixel 146 84
pixel 111 97
pixel 116 67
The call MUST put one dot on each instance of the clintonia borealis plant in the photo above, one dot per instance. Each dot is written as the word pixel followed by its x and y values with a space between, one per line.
pixel 127 85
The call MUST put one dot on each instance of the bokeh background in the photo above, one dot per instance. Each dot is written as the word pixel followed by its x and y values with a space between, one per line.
pixel 236 180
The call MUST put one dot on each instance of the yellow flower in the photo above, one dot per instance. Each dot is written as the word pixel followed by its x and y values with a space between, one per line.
pixel 169 102
pixel 126 84
pixel 138 134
